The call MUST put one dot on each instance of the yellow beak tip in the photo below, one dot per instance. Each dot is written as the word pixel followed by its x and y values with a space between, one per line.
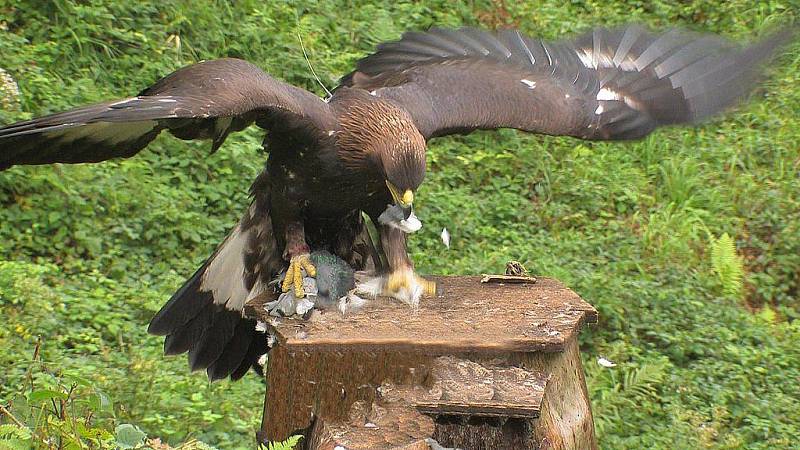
pixel 408 198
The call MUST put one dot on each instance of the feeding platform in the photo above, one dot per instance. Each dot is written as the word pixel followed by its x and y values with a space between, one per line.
pixel 481 366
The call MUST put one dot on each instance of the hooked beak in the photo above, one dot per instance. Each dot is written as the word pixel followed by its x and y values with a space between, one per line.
pixel 401 214
pixel 404 200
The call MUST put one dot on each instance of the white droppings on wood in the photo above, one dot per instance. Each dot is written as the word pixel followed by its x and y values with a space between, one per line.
pixel 529 83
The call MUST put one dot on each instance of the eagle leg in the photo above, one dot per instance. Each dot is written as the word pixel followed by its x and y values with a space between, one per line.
pixel 299 259
pixel 402 283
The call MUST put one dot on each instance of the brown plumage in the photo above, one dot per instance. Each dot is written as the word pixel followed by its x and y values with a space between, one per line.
pixel 364 148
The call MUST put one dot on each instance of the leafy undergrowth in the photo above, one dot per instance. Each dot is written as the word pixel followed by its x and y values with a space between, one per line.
pixel 687 242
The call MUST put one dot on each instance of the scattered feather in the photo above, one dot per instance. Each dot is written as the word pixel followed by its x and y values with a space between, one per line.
pixel 605 363
pixel 351 303
pixel 303 306
pixel 372 287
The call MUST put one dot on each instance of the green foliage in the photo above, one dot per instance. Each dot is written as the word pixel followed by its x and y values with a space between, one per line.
pixel 88 253
pixel 15 437
pixel 727 264
pixel 129 436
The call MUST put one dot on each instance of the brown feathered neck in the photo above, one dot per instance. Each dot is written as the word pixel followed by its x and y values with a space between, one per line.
pixel 375 134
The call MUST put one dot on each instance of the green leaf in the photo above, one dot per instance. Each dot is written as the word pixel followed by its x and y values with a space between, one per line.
pixel 45 394
pixel 129 436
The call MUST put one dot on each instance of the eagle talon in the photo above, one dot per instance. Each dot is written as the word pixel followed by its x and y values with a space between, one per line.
pixel 294 274
pixel 408 287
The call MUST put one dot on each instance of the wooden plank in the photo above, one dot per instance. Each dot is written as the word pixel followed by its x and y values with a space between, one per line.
pixel 469 316
pixel 384 426
pixel 468 388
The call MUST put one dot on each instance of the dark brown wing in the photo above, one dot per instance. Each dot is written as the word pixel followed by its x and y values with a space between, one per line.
pixel 206 100
pixel 606 84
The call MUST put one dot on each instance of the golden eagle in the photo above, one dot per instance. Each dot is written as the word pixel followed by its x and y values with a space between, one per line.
pixel 363 148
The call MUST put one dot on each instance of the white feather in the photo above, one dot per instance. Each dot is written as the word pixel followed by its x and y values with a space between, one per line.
pixel 372 287
pixel 605 363
pixel 224 274
pixel 446 237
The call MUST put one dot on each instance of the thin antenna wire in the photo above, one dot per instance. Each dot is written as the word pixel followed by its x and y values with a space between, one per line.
pixel 313 72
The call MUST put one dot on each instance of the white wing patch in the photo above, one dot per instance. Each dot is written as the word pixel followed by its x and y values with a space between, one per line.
pixel 608 94
pixel 604 61
pixel 105 132
pixel 224 276
pixel 529 83
pixel 594 61
pixel 605 94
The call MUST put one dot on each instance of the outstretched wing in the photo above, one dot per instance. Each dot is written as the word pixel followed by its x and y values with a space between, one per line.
pixel 606 84
pixel 206 100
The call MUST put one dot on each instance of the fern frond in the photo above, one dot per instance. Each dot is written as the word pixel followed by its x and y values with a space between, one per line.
pixel 288 444
pixel 727 264
pixel 13 437
pixel 645 380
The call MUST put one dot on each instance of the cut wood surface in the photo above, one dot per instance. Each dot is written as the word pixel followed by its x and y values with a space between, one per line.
pixel 467 316
pixel 483 366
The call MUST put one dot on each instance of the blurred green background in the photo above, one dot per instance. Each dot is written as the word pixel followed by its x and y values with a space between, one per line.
pixel 688 242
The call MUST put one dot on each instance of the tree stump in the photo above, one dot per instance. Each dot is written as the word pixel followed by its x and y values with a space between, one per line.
pixel 482 366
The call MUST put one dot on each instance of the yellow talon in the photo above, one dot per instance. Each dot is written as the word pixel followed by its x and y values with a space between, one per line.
pixel 294 274
pixel 406 279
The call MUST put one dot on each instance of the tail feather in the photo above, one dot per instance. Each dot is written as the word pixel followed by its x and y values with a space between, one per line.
pixel 205 318
pixel 214 338
pixel 185 337
pixel 235 351
pixel 258 346
pixel 176 312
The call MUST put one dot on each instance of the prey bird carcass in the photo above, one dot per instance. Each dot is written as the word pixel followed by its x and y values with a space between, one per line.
pixel 362 151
